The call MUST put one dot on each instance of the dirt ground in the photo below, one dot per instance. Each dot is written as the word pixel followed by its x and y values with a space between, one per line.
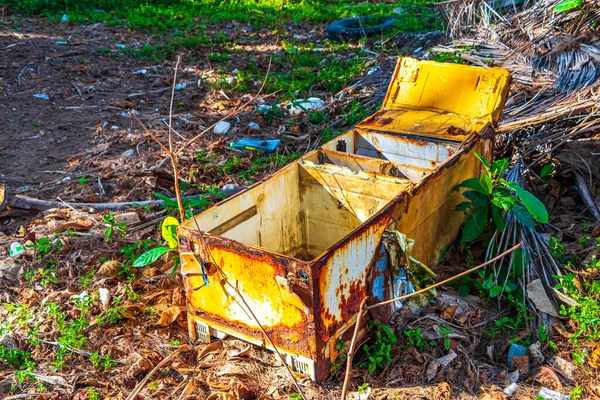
pixel 81 145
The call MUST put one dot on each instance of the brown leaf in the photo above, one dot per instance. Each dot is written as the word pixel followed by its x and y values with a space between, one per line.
pixel 170 315
pixel 140 366
pixel 521 363
pixel 123 104
pixel 109 268
pixel 449 312
pixel 78 225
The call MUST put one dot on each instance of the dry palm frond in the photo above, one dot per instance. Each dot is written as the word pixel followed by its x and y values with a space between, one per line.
pixel 543 48
pixel 533 261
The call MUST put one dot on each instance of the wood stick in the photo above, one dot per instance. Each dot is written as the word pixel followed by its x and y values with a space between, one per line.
pixel 30 203
pixel 351 349
pixel 140 385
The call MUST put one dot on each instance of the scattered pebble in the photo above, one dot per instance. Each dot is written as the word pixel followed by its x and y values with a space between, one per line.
pixel 222 128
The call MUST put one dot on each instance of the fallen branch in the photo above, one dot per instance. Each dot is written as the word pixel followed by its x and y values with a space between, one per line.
pixel 351 349
pixel 30 203
pixel 140 385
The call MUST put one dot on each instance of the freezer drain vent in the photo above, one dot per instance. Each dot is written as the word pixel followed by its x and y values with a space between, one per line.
pixel 202 332
pixel 303 366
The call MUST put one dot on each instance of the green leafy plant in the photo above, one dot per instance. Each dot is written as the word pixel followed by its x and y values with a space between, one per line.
pixel 379 353
pixel 491 195
pixel 363 388
pixel 414 337
pixel 567 5
pixel 169 234
pixel 113 227
pixel 445 332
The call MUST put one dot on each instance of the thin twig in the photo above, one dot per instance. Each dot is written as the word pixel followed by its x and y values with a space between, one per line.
pixel 351 349
pixel 140 385
pixel 493 260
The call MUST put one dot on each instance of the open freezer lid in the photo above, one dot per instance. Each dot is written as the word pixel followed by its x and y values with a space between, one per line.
pixel 442 100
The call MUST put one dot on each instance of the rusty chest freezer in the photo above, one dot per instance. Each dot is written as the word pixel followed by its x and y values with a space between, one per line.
pixel 294 255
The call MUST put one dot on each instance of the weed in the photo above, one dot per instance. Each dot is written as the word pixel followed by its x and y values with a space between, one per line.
pixel 113 314
pixel 585 314
pixel 92 394
pixel 113 227
pixel 175 343
pixel 415 338
pixel 491 195
pixel 153 385
pixel 577 392
pixel 379 354
pixel 102 362
pixel 445 332
pixel 87 279
pixel 363 388
pixel 82 181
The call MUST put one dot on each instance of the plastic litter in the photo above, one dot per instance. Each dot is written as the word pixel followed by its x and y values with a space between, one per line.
pixel 222 128
pixel 253 125
pixel 120 46
pixel 510 389
pixel 41 96
pixel 180 86
pixel 125 114
pixel 16 249
pixel 64 18
pixel 266 145
pixel 515 350
pixel 142 71
pixel 299 106
pixel 549 394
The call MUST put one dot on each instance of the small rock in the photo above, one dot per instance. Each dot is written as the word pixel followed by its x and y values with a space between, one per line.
pixel 564 367
pixel 127 218
pixel 222 128
pixel 253 125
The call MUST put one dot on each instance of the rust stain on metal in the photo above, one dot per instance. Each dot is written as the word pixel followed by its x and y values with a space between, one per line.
pixel 304 246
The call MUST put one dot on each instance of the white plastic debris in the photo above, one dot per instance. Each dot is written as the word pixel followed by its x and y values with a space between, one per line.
pixel 222 128
pixel 142 71
pixel 120 46
pixel 114 127
pixel 128 153
pixel 180 86
pixel 263 108
pixel 510 389
pixel 549 394
pixel 16 249
pixel 81 296
pixel 253 125
pixel 228 186
pixel 299 106
pixel 104 296
pixel 235 71
pixel 41 96
pixel 447 359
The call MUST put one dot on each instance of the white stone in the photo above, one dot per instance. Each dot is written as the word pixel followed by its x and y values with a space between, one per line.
pixel 222 128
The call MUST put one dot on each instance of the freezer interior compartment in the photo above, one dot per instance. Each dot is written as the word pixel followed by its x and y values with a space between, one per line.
pixel 414 157
pixel 302 210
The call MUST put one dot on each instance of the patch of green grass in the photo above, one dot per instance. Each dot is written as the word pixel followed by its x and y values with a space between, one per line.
pixel 187 15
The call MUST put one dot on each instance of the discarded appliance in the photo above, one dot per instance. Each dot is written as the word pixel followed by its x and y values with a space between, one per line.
pixel 299 250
